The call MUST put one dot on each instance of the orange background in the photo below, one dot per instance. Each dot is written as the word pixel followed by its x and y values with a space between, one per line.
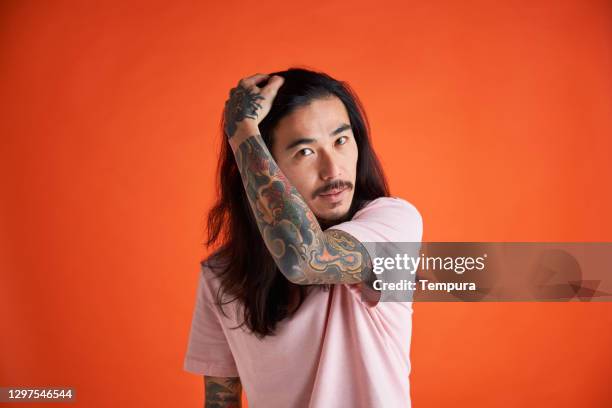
pixel 493 119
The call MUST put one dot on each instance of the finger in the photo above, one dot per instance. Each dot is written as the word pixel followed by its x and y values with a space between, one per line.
pixel 274 83
pixel 253 79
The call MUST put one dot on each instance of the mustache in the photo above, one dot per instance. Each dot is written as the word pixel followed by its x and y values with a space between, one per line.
pixel 330 186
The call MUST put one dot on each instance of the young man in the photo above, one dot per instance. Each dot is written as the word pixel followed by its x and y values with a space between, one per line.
pixel 279 310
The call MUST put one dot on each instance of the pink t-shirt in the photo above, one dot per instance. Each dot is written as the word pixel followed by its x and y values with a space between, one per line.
pixel 336 351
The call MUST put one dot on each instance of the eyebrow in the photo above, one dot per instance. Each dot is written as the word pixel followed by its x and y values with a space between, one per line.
pixel 307 140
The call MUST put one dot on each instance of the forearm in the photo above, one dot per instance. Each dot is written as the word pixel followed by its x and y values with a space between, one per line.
pixel 222 392
pixel 303 252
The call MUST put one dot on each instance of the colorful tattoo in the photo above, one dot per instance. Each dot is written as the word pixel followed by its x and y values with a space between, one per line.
pixel 222 392
pixel 303 252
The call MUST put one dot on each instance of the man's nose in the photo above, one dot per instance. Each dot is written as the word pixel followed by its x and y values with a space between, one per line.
pixel 329 168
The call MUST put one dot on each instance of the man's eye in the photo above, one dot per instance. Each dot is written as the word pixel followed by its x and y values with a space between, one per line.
pixel 342 140
pixel 305 152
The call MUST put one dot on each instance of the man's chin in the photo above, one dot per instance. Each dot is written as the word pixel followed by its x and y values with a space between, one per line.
pixel 330 221
pixel 328 217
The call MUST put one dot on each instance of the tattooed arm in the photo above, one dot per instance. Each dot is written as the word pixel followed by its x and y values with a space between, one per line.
pixel 303 252
pixel 222 392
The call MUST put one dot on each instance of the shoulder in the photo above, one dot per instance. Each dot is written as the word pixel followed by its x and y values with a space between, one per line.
pixel 389 206
pixel 394 212
pixel 385 219
pixel 211 269
pixel 215 263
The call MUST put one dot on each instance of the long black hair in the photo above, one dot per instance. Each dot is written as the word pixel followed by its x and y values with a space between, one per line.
pixel 246 270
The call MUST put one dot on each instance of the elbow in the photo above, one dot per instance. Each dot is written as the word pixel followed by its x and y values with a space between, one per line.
pixel 297 274
pixel 297 279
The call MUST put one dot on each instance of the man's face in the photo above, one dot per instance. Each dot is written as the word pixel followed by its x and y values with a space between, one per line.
pixel 315 148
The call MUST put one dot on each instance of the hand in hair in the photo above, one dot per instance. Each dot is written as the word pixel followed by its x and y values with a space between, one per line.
pixel 249 103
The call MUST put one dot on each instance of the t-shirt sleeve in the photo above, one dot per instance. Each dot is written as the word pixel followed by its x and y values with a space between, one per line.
pixel 386 219
pixel 208 351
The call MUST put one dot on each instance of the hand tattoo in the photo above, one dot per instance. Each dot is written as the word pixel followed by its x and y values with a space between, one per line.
pixel 241 104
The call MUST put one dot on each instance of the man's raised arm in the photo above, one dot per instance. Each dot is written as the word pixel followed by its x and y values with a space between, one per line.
pixel 303 252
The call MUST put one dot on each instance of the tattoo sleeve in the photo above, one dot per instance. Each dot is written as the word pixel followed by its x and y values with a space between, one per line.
pixel 222 392
pixel 303 252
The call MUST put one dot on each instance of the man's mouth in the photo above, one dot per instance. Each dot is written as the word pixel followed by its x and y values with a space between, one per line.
pixel 334 191
pixel 334 195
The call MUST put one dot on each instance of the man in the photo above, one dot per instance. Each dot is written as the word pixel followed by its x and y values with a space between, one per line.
pixel 279 310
